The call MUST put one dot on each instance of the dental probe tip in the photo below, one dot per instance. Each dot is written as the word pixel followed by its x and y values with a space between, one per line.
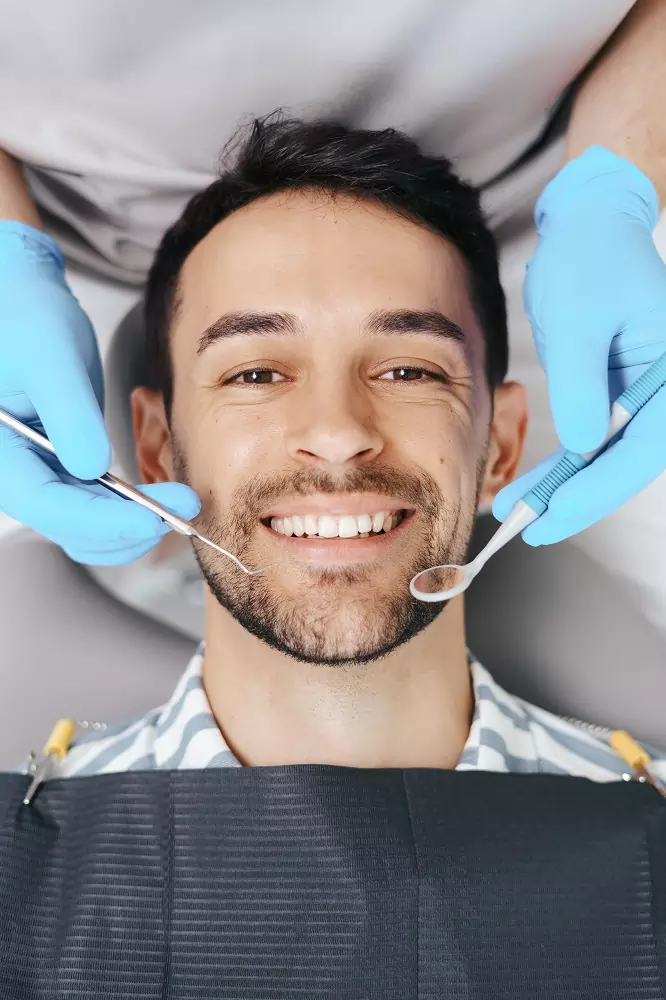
pixel 218 548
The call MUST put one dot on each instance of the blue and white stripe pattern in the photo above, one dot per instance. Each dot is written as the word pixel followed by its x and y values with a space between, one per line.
pixel 507 734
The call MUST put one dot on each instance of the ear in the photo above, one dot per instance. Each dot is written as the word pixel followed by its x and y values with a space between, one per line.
pixel 152 436
pixel 506 440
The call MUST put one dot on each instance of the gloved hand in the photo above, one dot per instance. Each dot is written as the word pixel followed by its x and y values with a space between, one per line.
pixel 50 374
pixel 595 294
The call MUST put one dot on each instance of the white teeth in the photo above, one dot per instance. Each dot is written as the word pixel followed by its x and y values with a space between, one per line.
pixel 348 527
pixel 328 526
pixel 364 523
pixel 378 521
pixel 310 524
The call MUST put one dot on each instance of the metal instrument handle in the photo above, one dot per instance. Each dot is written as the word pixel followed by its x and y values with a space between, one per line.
pixel 111 482
pixel 124 489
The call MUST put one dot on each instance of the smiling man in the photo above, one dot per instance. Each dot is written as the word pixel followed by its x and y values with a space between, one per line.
pixel 328 347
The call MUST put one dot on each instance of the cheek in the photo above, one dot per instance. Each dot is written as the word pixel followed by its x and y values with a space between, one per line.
pixel 447 445
pixel 222 453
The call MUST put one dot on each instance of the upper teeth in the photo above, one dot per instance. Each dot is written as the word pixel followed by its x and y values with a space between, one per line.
pixel 326 526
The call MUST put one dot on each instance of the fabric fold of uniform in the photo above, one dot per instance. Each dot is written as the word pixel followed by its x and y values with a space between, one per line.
pixel 319 882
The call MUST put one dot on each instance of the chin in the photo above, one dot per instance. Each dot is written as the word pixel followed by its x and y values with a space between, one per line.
pixel 335 615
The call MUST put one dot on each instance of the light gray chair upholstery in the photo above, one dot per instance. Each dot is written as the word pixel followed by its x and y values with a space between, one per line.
pixel 68 649
pixel 555 628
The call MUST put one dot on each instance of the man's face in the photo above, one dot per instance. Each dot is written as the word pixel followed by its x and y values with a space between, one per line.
pixel 328 369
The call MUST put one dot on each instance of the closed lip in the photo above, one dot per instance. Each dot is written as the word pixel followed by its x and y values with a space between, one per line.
pixel 321 504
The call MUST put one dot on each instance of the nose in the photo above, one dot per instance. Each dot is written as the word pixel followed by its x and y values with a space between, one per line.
pixel 335 427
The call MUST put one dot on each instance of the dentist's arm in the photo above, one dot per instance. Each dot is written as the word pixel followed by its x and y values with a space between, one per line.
pixel 620 105
pixel 595 290
pixel 50 372
pixel 15 200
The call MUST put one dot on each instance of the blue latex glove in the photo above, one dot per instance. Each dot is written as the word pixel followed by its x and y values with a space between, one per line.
pixel 595 294
pixel 50 374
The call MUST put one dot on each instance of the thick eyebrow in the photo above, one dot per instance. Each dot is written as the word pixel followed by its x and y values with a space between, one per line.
pixel 435 323
pixel 248 324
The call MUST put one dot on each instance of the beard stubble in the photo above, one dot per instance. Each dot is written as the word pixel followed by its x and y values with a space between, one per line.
pixel 337 616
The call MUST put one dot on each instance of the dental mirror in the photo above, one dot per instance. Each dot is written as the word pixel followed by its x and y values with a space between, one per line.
pixel 442 583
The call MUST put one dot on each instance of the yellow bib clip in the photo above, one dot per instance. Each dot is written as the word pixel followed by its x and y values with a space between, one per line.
pixel 56 747
pixel 636 757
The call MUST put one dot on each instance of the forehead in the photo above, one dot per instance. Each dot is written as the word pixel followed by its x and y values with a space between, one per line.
pixel 309 252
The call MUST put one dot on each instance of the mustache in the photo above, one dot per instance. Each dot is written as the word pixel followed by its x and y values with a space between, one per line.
pixel 261 491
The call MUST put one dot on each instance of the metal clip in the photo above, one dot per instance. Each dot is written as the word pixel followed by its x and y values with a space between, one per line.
pixel 56 747
pixel 636 758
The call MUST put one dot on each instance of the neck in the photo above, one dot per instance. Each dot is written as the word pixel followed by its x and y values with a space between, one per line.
pixel 411 709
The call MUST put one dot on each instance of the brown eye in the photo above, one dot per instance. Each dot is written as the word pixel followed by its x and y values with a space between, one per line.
pixel 405 373
pixel 254 376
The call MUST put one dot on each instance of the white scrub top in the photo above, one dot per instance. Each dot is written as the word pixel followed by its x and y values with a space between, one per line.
pixel 119 109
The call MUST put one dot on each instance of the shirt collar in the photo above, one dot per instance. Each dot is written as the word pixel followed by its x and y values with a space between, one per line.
pixel 500 737
pixel 187 735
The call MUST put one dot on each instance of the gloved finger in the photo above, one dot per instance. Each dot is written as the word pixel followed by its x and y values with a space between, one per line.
pixel 507 498
pixel 577 371
pixel 106 546
pixel 626 468
pixel 64 398
pixel 117 556
pixel 175 497
pixel 178 498
pixel 34 495
pixel 110 520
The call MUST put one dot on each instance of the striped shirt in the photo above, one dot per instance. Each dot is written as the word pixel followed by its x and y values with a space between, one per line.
pixel 506 734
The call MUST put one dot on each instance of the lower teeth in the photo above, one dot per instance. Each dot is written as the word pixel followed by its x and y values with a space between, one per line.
pixel 361 534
